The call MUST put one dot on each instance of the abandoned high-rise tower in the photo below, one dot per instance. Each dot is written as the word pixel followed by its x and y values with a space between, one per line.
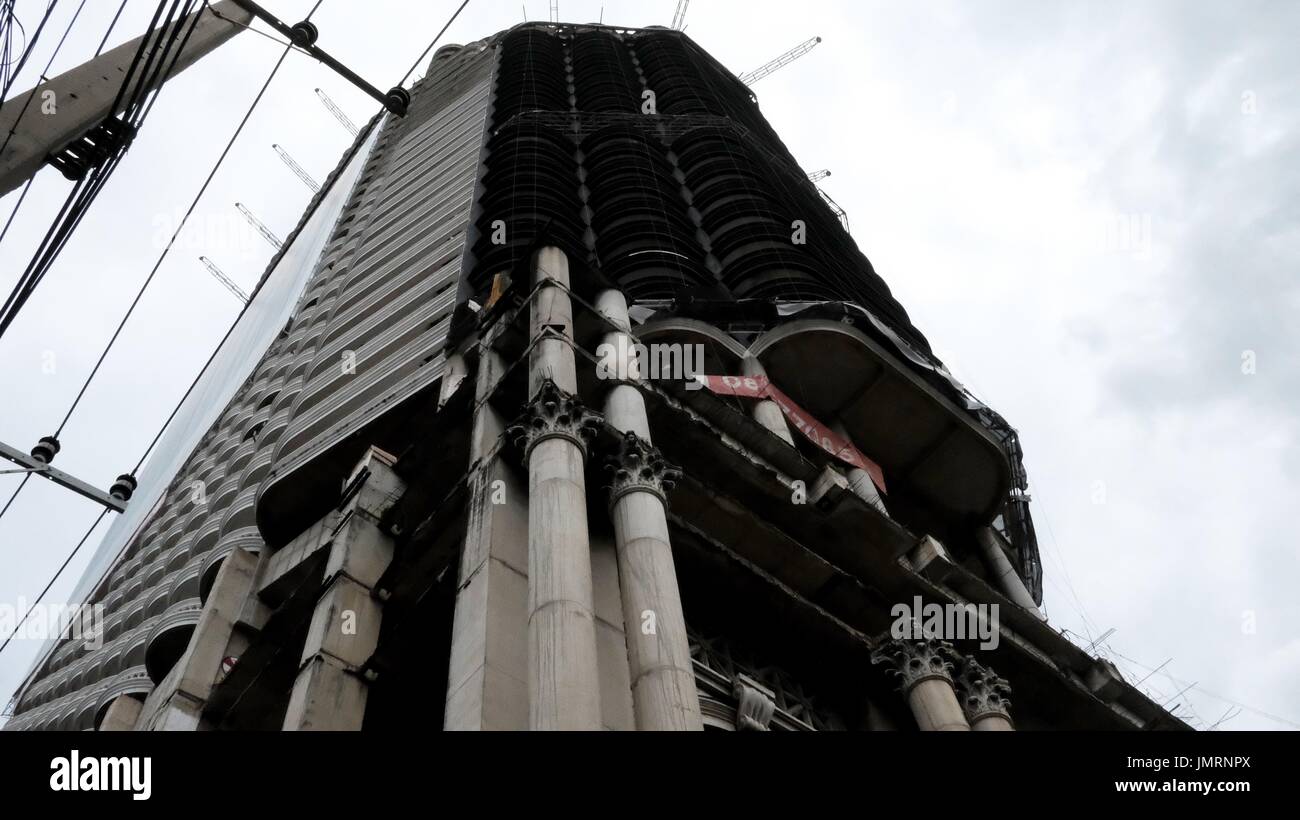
pixel 434 483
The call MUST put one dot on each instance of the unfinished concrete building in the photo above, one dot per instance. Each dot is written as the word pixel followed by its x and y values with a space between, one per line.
pixel 588 413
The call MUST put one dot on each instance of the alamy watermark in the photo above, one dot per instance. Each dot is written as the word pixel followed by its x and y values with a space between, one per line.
pixel 946 622
pixel 75 773
pixel 80 622
pixel 629 361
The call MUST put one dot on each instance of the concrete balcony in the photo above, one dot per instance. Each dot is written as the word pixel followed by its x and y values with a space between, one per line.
pixel 134 682
pixel 169 637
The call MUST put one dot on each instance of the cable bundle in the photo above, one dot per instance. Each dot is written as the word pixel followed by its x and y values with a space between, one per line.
pixel 95 158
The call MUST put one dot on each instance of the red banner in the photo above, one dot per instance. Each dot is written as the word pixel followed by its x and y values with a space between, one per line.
pixel 758 387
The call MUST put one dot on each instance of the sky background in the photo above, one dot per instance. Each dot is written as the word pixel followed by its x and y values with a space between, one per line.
pixel 1092 212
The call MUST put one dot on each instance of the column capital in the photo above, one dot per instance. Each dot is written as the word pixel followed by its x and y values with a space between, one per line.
pixel 754 705
pixel 916 661
pixel 553 413
pixel 638 466
pixel 982 692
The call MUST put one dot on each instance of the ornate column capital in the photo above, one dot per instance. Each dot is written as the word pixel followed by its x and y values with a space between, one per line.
pixel 639 466
pixel 553 413
pixel 754 705
pixel 982 692
pixel 915 661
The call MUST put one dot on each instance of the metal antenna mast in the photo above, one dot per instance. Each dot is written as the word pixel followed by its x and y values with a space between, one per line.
pixel 337 112
pixel 679 18
pixel 262 229
pixel 297 169
pixel 223 279
pixel 780 62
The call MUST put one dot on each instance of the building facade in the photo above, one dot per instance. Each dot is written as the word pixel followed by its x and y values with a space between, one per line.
pixel 590 415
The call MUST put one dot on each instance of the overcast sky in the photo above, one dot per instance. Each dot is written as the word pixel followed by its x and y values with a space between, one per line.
pixel 1091 212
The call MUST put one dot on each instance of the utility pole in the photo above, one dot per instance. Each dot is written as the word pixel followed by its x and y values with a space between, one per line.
pixel 83 97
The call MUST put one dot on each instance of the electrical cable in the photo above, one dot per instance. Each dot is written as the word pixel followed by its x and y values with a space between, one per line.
pixel 79 191
pixel 189 390
pixel 58 573
pixel 436 38
pixel 148 85
pixel 27 52
pixel 28 102
pixel 170 242
pixel 111 25
pixel 179 404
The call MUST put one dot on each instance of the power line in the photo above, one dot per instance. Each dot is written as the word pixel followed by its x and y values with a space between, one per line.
pixel 93 160
pixel 217 349
pixel 189 390
pixel 140 293
pixel 436 38
pixel 59 572
pixel 28 102
pixel 27 52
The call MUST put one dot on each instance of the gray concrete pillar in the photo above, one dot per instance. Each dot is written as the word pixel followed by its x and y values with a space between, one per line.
pixel 924 669
pixel 1004 575
pixel 329 693
pixel 663 678
pixel 551 324
pixel 487 676
pixel 188 687
pixel 766 412
pixel 454 371
pixel 859 480
pixel 122 715
pixel 985 698
pixel 563 675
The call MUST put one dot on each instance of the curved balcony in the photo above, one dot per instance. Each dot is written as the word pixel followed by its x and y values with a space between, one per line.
pixel 241 512
pixel 185 583
pixel 169 638
pixel 210 532
pixel 918 436
pixel 240 458
pixel 155 601
pixel 135 644
pixel 246 538
pixel 134 682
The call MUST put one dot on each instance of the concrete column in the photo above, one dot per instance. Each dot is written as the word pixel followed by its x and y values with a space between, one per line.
pixel 328 693
pixel 859 480
pixel 122 715
pixel 659 656
pixel 551 321
pixel 1004 575
pixel 924 668
pixel 766 412
pixel 454 371
pixel 563 675
pixel 191 683
pixel 985 698
pixel 487 677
